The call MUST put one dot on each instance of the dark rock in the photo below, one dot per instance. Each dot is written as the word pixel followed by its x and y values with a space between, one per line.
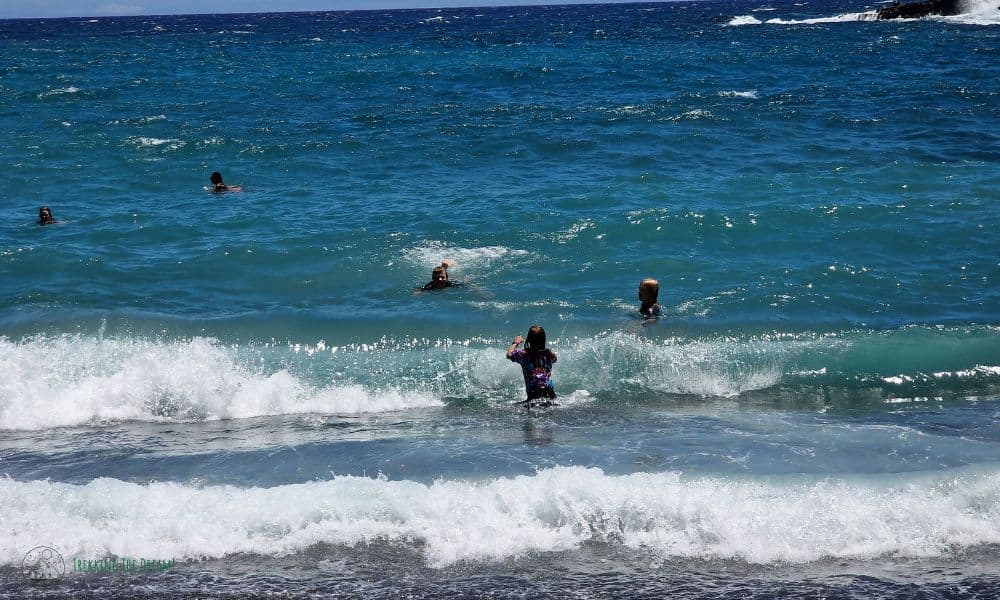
pixel 914 10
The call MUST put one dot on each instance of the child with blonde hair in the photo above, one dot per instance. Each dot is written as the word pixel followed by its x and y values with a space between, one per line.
pixel 649 289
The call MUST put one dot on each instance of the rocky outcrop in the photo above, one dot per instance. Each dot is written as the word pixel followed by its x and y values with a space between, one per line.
pixel 914 10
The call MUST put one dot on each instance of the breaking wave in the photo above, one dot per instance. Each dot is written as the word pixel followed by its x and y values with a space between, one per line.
pixel 67 380
pixel 665 515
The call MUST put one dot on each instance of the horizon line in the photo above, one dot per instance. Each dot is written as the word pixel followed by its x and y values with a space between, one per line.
pixel 524 3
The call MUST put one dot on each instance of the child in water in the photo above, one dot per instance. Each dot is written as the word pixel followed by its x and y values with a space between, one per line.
pixel 217 184
pixel 649 289
pixel 536 365
pixel 439 277
pixel 220 186
pixel 45 216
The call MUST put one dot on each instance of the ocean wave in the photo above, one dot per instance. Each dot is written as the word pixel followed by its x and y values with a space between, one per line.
pixel 74 380
pixel 69 380
pixel 743 20
pixel 560 509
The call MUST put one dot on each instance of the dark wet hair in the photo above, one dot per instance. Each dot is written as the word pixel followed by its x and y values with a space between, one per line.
pixel 442 270
pixel 45 215
pixel 534 342
pixel 215 178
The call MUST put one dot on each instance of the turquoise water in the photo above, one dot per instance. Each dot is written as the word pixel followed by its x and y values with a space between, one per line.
pixel 250 381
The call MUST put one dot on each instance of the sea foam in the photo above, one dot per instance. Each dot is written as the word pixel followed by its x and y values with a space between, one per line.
pixel 72 380
pixel 663 514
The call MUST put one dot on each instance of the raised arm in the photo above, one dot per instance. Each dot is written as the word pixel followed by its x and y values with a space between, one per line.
pixel 513 346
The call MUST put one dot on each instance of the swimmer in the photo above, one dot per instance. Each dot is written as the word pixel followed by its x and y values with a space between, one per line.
pixel 217 184
pixel 439 277
pixel 45 216
pixel 220 186
pixel 649 289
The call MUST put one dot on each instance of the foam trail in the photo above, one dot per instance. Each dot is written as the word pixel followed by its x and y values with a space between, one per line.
pixel 430 255
pixel 555 510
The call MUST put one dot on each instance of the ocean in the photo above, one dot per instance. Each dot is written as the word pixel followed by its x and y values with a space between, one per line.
pixel 247 394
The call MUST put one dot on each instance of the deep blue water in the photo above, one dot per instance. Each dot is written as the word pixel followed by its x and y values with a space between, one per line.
pixel 250 384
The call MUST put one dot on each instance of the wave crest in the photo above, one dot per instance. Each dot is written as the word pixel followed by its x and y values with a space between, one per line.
pixel 73 380
pixel 554 510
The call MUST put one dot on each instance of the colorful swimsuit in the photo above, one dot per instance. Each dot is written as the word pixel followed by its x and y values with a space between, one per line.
pixel 537 372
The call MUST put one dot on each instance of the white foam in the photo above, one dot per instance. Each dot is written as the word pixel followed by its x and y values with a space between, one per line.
pixel 74 380
pixel 977 371
pixel 573 231
pixel 977 12
pixel 743 20
pixel 151 142
pixel 430 254
pixel 844 18
pixel 697 113
pixel 558 509
pixel 55 92
pixel 750 94
pixel 974 12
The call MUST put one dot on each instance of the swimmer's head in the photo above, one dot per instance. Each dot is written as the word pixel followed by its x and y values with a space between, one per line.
pixel 439 273
pixel 649 289
pixel 215 178
pixel 535 340
pixel 45 215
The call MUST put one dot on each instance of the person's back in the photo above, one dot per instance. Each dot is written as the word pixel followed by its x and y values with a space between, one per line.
pixel 536 365
pixel 649 290
pixel 217 184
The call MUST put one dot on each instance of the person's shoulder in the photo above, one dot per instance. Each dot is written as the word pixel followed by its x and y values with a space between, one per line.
pixel 518 355
pixel 550 355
